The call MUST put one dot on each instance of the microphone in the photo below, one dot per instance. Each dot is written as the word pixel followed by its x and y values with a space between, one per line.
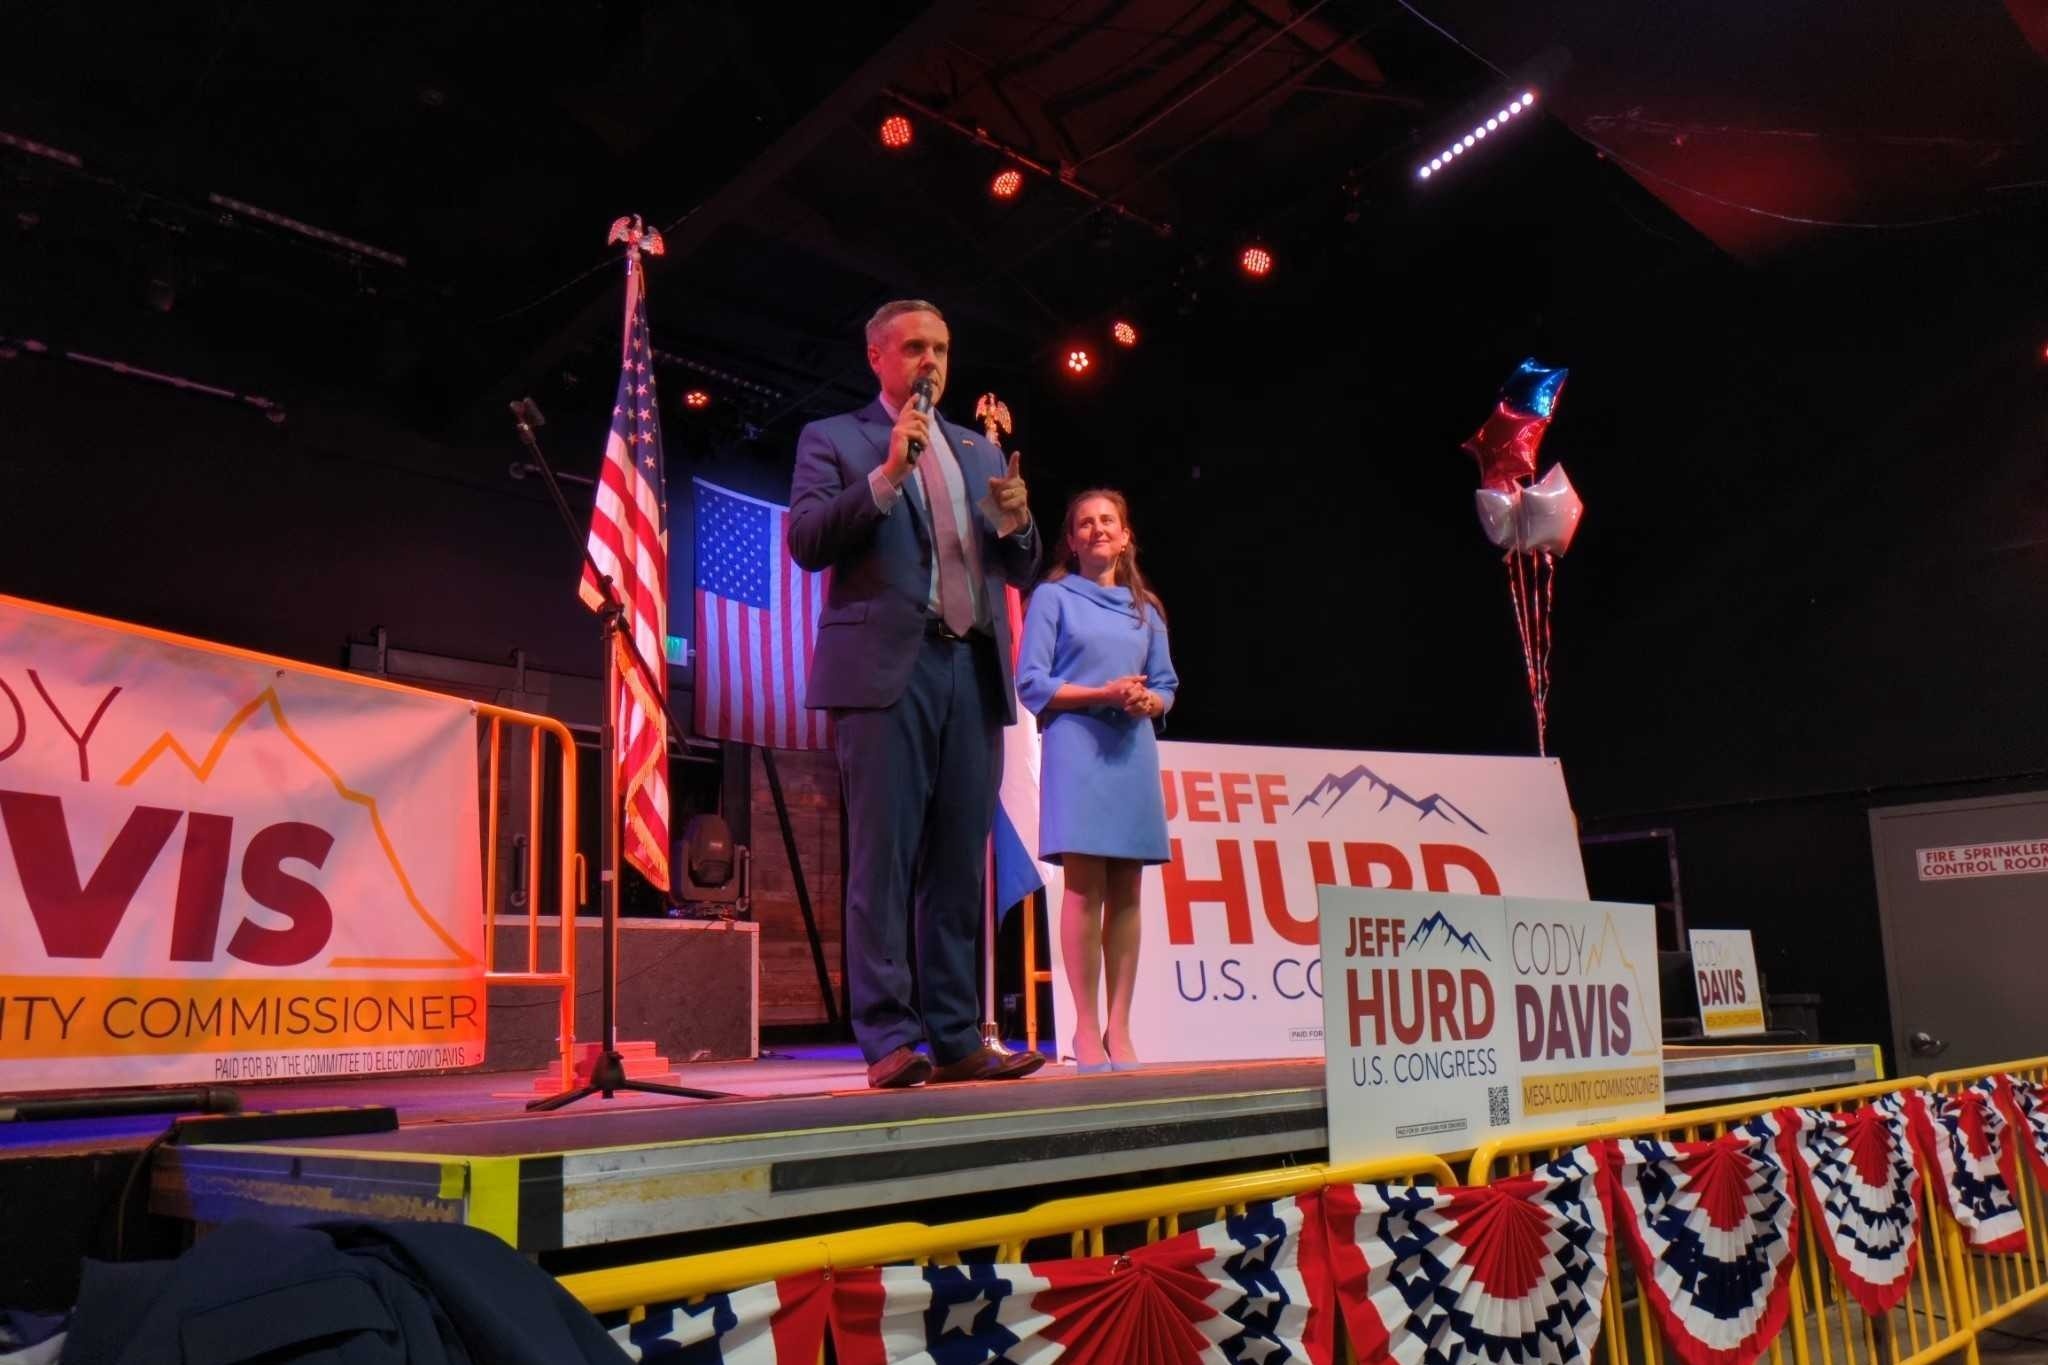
pixel 921 398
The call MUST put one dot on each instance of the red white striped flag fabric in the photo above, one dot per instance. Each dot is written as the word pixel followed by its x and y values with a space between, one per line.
pixel 757 620
pixel 629 544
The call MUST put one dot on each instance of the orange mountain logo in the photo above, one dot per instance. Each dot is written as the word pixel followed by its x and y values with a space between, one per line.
pixel 202 769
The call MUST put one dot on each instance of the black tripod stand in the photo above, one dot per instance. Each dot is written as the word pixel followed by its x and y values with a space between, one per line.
pixel 608 1076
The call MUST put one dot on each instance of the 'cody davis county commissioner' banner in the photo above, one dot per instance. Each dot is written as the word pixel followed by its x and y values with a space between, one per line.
pixel 215 868
pixel 1230 966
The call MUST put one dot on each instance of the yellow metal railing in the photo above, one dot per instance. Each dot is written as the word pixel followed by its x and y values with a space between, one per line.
pixel 2002 1286
pixel 1825 1325
pixel 1086 1222
pixel 541 730
pixel 1034 975
pixel 1953 1295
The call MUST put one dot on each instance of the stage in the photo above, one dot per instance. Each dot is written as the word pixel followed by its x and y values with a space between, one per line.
pixel 803 1137
pixel 802 1146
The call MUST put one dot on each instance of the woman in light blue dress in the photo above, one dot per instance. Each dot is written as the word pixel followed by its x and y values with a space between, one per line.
pixel 1094 667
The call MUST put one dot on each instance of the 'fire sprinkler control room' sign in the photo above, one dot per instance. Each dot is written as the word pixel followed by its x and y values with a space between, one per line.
pixel 1959 861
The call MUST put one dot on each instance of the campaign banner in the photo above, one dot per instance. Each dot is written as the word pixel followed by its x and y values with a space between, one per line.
pixel 1454 1019
pixel 1724 972
pixel 216 867
pixel 1229 966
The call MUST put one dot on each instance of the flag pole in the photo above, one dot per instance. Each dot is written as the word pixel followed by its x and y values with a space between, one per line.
pixel 608 1073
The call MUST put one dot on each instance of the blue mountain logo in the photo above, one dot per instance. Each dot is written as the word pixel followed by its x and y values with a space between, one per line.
pixel 1337 787
pixel 1427 932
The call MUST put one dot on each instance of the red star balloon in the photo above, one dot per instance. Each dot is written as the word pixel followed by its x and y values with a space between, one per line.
pixel 1505 447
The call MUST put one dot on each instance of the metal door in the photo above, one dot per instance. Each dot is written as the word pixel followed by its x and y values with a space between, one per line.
pixel 1962 895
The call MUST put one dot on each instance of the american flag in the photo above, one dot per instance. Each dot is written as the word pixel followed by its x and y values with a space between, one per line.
pixel 629 544
pixel 757 619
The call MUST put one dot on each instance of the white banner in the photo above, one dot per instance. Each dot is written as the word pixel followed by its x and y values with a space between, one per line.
pixel 1455 1019
pixel 217 868
pixel 1229 966
pixel 1724 973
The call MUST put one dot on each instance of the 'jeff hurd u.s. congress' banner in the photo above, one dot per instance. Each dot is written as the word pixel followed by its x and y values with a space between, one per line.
pixel 1229 967
pixel 217 869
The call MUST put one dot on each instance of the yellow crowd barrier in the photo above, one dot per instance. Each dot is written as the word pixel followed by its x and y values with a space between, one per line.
pixel 2000 1287
pixel 1825 1325
pixel 1089 1225
pixel 1954 1294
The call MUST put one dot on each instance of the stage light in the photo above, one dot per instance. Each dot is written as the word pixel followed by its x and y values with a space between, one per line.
pixel 896 132
pixel 1124 333
pixel 1497 123
pixel 1078 360
pixel 1006 184
pixel 696 398
pixel 1256 262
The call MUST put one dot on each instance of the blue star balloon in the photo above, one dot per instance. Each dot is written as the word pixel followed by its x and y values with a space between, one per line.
pixel 1533 389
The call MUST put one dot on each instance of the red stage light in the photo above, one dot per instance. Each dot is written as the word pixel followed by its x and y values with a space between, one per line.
pixel 1078 360
pixel 1006 184
pixel 895 132
pixel 696 398
pixel 1125 334
pixel 1256 261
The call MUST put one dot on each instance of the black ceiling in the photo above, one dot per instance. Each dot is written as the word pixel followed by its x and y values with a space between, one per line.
pixel 490 145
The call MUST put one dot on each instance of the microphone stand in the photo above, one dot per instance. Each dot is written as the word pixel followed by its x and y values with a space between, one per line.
pixel 608 1076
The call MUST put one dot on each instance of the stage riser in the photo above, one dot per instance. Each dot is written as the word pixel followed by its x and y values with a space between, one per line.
pixel 690 987
pixel 667 1174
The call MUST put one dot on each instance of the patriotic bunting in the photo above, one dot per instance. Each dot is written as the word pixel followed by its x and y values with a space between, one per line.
pixel 1862 1184
pixel 1964 1136
pixel 769 1324
pixel 1509 1272
pixel 2026 1105
pixel 1238 1291
pixel 1713 1227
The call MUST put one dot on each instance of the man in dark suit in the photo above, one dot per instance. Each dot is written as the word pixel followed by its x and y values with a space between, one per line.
pixel 921 524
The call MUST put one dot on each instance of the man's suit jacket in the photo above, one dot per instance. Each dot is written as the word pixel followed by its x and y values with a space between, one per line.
pixel 875 606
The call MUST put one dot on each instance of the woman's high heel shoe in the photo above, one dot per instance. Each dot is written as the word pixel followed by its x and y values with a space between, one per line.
pixel 1089 1068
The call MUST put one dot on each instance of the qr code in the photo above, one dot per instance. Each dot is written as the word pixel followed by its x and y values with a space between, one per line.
pixel 1496 1106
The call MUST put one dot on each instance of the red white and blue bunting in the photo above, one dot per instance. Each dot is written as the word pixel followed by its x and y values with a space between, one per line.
pixel 2026 1104
pixel 1965 1138
pixel 766 1324
pixel 1714 1227
pixel 1862 1181
pixel 1511 1273
pixel 1503 1274
pixel 1250 1289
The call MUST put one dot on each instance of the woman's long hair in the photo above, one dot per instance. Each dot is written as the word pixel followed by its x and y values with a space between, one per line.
pixel 1128 574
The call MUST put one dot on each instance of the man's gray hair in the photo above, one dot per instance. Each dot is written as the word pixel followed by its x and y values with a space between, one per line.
pixel 896 308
